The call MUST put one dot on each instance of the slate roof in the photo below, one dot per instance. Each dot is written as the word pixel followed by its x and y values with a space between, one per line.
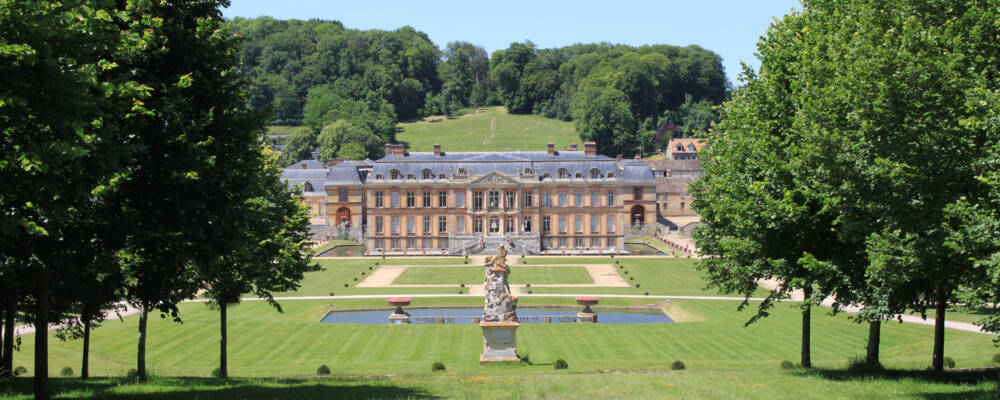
pixel 676 165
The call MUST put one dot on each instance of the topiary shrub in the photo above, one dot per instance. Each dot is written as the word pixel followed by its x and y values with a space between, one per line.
pixel 646 294
pixel 331 294
pixel 362 273
pixel 437 366
pixel 949 362
pixel 527 285
pixel 626 272
pixel 787 365
pixel 355 279
pixel 631 278
pixel 461 285
pixel 530 292
pixel 323 370
pixel 677 365
pixel 20 370
pixel 369 268
pixel 346 285
pixel 66 372
pixel 636 285
pixel 561 364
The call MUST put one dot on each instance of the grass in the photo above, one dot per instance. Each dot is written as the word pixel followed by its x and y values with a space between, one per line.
pixel 474 275
pixel 488 129
pixel 656 244
pixel 336 242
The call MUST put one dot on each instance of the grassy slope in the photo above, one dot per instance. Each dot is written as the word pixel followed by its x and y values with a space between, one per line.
pixel 474 275
pixel 489 129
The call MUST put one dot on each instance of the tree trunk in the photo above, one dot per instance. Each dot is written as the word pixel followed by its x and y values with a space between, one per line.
pixel 806 311
pixel 874 339
pixel 2 347
pixel 7 366
pixel 141 355
pixel 85 367
pixel 42 335
pixel 223 361
pixel 937 361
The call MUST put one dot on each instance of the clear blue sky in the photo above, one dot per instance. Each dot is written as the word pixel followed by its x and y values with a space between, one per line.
pixel 728 27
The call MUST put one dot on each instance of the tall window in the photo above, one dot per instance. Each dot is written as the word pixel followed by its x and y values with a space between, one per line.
pixel 394 199
pixel 342 195
pixel 611 197
pixel 411 225
pixel 477 224
pixel 527 224
pixel 494 199
pixel 527 195
pixel 637 193
pixel 546 224
pixel 578 223
pixel 426 174
pixel 510 199
pixel 562 224
pixel 595 223
pixel 546 198
pixel 578 198
pixel 378 200
pixel 378 225
pixel 460 223
pixel 562 199
pixel 410 199
pixel 595 242
pixel 395 174
pixel 442 199
pixel 442 224
pixel 460 199
pixel 508 225
pixel 578 242
pixel 395 225
pixel 595 173
pixel 595 198
pixel 427 199
pixel 477 200
pixel 427 224
pixel 611 223
pixel 563 173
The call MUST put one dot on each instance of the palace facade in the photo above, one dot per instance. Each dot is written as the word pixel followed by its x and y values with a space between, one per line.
pixel 472 202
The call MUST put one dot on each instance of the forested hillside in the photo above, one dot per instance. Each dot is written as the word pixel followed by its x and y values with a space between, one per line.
pixel 350 87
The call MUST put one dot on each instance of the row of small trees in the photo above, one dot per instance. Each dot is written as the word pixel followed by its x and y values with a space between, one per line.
pixel 132 170
pixel 861 162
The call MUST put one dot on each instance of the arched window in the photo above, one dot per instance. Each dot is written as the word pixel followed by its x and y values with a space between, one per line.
pixel 409 176
pixel 595 173
pixel 395 175
pixel 691 147
pixel 611 175
pixel 426 174
pixel 440 176
pixel 527 171
pixel 461 171
pixel 378 176
pixel 546 176
pixel 308 187
pixel 563 173
pixel 680 147
pixel 578 175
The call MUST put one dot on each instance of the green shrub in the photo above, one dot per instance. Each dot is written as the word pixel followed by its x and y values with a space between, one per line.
pixel 858 364
pixel 132 376
pixel 530 292
pixel 561 364
pixel 626 272
pixel 437 366
pixel 362 273
pixel 369 268
pixel 527 285
pixel 216 373
pixel 461 285
pixel 66 372
pixel 677 365
pixel 460 292
pixel 355 279
pixel 346 285
pixel 331 294
pixel 20 370
pixel 949 362
pixel 631 278
pixel 636 285
pixel 646 294
pixel 996 358
pixel 323 370
pixel 787 365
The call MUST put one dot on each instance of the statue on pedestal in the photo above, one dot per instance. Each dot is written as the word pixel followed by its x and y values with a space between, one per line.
pixel 499 320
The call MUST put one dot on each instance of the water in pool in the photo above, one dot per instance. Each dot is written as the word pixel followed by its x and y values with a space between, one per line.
pixel 464 315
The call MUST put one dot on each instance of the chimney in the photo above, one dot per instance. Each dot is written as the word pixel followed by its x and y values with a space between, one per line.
pixel 590 149
pixel 437 150
pixel 619 158
pixel 303 165
pixel 388 149
pixel 572 147
pixel 400 150
pixel 552 149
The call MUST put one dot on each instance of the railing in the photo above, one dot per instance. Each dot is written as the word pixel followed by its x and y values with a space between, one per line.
pixel 553 319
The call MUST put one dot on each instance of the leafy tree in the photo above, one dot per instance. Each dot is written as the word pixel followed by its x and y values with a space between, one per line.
pixel 603 116
pixel 299 146
pixel 340 133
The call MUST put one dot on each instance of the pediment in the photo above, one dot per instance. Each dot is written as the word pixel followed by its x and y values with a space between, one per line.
pixel 494 178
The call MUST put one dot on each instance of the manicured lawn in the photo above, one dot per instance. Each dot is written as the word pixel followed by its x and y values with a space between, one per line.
pixel 488 129
pixel 474 275
pixel 340 271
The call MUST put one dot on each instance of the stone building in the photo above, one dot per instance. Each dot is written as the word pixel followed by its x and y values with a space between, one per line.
pixel 684 149
pixel 472 202
pixel 682 166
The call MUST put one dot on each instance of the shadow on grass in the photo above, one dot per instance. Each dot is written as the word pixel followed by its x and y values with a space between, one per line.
pixel 965 376
pixel 211 388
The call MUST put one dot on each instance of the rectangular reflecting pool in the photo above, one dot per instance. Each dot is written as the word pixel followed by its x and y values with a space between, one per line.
pixel 466 315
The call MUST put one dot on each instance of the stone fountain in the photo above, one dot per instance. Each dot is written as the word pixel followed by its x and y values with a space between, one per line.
pixel 499 320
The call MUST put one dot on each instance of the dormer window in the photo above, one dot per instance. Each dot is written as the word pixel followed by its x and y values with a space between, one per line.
pixel 409 177
pixel 546 176
pixel 461 171
pixel 527 171
pixel 426 174
pixel 691 147
pixel 611 175
pixel 563 173
pixel 440 176
pixel 680 147
pixel 578 175
pixel 395 175
pixel 595 173
pixel 378 176
pixel 308 187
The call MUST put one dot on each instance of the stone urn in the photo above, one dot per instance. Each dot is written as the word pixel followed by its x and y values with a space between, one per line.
pixel 587 313
pixel 399 316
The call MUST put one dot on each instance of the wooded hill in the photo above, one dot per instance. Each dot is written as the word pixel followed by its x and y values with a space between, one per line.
pixel 316 73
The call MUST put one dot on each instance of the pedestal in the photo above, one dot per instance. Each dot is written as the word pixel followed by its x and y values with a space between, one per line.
pixel 397 319
pixel 499 342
